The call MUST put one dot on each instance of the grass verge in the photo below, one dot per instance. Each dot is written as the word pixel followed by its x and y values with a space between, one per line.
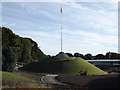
pixel 20 80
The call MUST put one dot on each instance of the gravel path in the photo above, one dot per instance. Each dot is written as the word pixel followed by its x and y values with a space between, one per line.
pixel 50 79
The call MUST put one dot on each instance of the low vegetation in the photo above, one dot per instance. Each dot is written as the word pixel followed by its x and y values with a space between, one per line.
pixel 68 65
pixel 15 80
pixel 14 77
pixel 21 80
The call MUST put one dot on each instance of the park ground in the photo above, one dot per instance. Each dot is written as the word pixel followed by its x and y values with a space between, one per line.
pixel 23 79
pixel 91 81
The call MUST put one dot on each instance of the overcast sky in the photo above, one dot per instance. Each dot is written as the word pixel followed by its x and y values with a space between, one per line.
pixel 88 27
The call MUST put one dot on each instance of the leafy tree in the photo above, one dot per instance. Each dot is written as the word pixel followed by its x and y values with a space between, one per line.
pixel 9 62
pixel 76 55
pixel 18 49
pixel 88 56
pixel 81 55
pixel 26 51
pixel 69 54
pixel 112 55
pixel 100 56
pixel 36 53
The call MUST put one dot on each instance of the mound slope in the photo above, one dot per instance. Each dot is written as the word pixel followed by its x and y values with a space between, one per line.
pixel 63 65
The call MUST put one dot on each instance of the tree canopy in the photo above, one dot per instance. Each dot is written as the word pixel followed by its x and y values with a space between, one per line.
pixel 18 49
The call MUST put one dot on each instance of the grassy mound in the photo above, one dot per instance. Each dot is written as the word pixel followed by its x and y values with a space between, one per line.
pixel 67 65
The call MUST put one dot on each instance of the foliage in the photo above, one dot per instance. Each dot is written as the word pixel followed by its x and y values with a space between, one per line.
pixel 18 49
pixel 69 54
pixel 9 62
pixel 100 56
pixel 88 56
pixel 78 55
pixel 109 55
pixel 26 51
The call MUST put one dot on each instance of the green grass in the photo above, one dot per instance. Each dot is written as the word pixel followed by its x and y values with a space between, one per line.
pixel 14 77
pixel 20 80
pixel 67 65
pixel 14 80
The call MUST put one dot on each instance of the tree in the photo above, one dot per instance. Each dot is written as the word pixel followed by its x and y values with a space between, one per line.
pixel 18 49
pixel 76 54
pixel 26 51
pixel 9 62
pixel 81 55
pixel 69 54
pixel 100 56
pixel 88 56
pixel 36 53
pixel 112 55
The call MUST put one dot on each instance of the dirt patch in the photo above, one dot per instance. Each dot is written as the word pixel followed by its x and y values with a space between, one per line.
pixel 91 81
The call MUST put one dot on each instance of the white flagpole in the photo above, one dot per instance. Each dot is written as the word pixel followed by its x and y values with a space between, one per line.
pixel 61 29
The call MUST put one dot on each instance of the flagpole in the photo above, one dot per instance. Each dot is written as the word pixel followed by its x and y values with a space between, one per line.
pixel 61 28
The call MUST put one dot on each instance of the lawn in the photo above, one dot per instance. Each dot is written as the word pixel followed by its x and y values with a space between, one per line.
pixel 21 80
pixel 14 77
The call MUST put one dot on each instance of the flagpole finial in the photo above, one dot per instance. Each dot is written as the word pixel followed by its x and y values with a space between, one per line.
pixel 61 10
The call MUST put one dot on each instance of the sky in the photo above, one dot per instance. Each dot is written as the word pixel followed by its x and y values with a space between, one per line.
pixel 88 27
